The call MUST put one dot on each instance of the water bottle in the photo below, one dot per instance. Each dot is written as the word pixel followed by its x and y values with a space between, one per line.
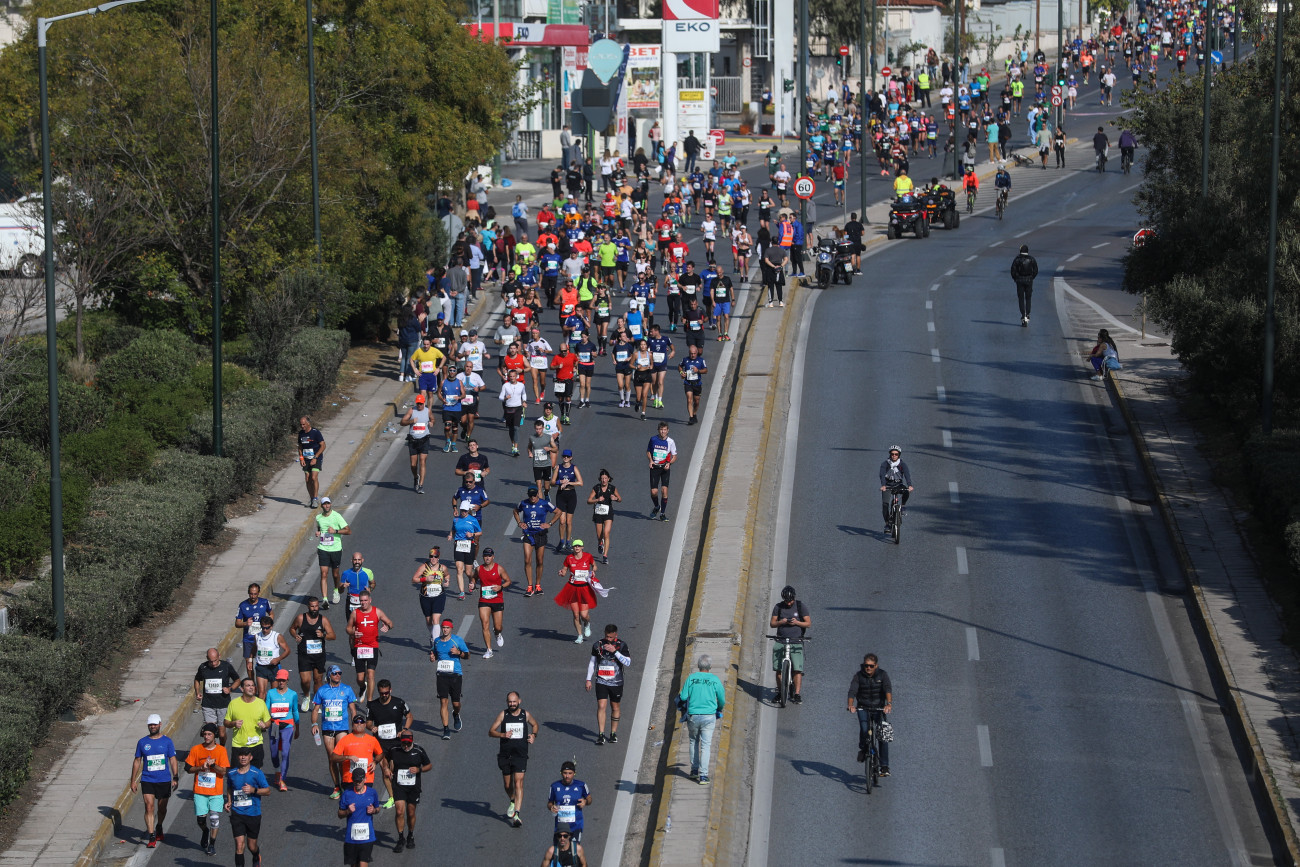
pixel 316 735
pixel 668 826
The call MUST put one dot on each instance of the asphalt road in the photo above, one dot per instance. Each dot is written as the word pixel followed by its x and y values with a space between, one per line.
pixel 1050 703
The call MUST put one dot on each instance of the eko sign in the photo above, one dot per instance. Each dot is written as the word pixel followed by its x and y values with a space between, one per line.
pixel 691 25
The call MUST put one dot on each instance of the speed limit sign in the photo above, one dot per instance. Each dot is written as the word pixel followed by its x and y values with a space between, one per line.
pixel 804 187
pixel 1057 100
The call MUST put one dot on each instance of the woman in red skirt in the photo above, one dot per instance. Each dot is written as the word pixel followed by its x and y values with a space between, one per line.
pixel 580 570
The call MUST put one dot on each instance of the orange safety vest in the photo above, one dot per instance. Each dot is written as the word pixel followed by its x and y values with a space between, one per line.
pixel 787 234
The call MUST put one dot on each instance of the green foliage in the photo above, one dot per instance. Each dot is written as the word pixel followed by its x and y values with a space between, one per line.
pixel 25 529
pixel 119 450
pixel 153 357
pixel 103 333
pixel 306 365
pixel 254 425
pixel 233 379
pixel 80 409
pixel 163 411
pixel 22 468
pixel 17 724
pixel 212 476
pixel 297 298
pixel 152 528
pixel 1204 274
pixel 48 673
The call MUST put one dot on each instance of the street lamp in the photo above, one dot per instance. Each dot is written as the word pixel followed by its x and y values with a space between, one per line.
pixel 51 354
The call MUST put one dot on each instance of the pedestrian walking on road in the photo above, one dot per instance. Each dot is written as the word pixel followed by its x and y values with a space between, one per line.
pixel 702 699
pixel 1024 268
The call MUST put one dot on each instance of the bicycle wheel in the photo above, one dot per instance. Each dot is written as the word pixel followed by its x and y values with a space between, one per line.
pixel 896 524
pixel 873 766
pixel 787 672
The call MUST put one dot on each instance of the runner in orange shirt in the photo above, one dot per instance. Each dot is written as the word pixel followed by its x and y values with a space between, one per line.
pixel 358 750
pixel 208 762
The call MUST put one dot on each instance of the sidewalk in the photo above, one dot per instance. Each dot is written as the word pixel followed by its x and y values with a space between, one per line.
pixel 82 799
pixel 1231 607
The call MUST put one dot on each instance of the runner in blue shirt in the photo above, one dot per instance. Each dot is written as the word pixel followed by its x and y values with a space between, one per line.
pixel 448 650
pixel 470 495
pixel 661 350
pixel 353 581
pixel 533 515
pixel 568 796
pixel 245 786
pixel 249 617
pixel 336 703
pixel 661 451
pixel 451 390
pixel 359 805
pixel 155 771
pixel 464 536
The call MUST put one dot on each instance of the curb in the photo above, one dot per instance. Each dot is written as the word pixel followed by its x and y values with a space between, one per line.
pixel 175 721
pixel 1258 771
pixel 719 803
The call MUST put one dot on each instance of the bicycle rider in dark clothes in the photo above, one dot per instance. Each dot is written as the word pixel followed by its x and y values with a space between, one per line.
pixel 893 471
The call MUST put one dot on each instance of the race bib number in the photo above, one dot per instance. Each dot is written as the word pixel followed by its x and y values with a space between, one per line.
pixel 314 646
pixel 464 546
pixel 538 362
pixel 354 600
pixel 540 455
pixel 240 800
pixel 205 779
pixel 359 831
pixel 426 367
pixel 264 656
pixel 433 589
pixel 212 685
pixel 692 374
pixel 607 670
pixel 406 777
pixel 280 710
pixel 155 763
pixel 364 652
pixel 468 399
pixel 388 732
pixel 634 329
pixel 515 731
pixel 446 666
pixel 620 355
pixel 360 763
pixel 309 453
pixel 334 710
pixel 659 454
pixel 491 592
pixel 419 429
pixel 581 576
pixel 567 813
pixel 694 324
pixel 658 357
pixel 584 358
pixel 602 508
pixel 602 310
pixel 561 387
pixel 327 538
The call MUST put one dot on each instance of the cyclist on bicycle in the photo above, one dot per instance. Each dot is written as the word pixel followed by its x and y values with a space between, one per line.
pixel 893 473
pixel 1127 146
pixel 1002 183
pixel 790 619
pixel 971 182
pixel 871 695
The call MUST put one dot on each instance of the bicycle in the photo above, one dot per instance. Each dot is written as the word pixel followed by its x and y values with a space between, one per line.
pixel 785 673
pixel 1001 204
pixel 896 512
pixel 1125 159
pixel 970 201
pixel 871 754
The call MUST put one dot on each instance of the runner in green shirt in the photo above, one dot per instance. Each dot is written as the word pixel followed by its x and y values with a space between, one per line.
pixel 329 548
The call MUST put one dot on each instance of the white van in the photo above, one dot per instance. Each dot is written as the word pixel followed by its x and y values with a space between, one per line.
pixel 22 240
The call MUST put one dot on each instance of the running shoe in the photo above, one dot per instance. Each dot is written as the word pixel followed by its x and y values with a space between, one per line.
pixel 455 721
pixel 613 737
pixel 388 805
pixel 334 597
pixel 600 739
pixel 501 640
pixel 334 795
pixel 510 811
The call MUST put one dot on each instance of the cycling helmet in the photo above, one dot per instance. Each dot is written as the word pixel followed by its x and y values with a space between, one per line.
pixel 898 449
pixel 787 593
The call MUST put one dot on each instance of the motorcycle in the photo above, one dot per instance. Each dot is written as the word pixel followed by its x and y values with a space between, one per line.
pixel 834 262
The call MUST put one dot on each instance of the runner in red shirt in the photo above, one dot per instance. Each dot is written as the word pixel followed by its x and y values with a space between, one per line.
pixel 664 232
pixel 678 250
pixel 364 625
pixel 577 594
pixel 565 365
pixel 492 581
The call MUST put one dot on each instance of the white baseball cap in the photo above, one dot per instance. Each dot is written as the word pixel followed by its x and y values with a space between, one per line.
pixel 153 720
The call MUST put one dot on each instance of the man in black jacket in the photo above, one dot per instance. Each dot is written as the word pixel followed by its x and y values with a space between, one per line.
pixel 871 694
pixel 692 146
pixel 1024 268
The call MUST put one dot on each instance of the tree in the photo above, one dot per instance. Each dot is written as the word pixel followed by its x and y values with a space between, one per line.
pixel 1203 274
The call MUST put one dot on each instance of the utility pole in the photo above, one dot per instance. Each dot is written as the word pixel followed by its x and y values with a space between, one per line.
pixel 1038 24
pixel 1266 403
pixel 216 241
pixel 873 54
pixel 802 120
pixel 1060 51
pixel 1205 108
pixel 862 105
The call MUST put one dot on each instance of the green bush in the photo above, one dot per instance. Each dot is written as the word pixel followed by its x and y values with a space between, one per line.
pixel 121 449
pixel 49 673
pixel 19 731
pixel 254 427
pixel 233 380
pixel 163 410
pixel 155 357
pixel 25 530
pixel 1272 466
pixel 155 527
pixel 21 469
pixel 100 602
pixel 81 409
pixel 103 332
pixel 309 365
pixel 211 475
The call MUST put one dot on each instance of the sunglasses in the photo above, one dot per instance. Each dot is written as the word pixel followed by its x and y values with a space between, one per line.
pixel 564 836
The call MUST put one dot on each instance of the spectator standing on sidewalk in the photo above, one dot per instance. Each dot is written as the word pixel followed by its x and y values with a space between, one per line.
pixel 692 148
pixel 702 699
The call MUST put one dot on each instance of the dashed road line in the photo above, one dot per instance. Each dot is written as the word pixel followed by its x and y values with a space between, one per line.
pixel 972 258
pixel 934 355
pixel 1075 256
pixel 1060 268
pixel 997 857
pixel 972 644
pixel 995 244
pixel 1086 207
pixel 941 393
pixel 963 568
pixel 1102 244
pixel 929 305
pixel 953 496
pixel 986 748
pixel 947 439
pixel 1027 232
pixel 929 326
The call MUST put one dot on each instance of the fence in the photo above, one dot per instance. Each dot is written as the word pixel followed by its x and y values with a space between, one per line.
pixel 524 144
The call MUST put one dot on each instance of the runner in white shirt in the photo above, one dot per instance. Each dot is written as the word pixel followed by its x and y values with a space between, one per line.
pixel 538 352
pixel 469 404
pixel 513 396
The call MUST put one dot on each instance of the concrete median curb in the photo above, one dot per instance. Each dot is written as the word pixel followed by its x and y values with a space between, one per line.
pixel 1258 771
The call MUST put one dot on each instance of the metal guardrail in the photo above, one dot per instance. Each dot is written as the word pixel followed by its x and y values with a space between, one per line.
pixel 524 144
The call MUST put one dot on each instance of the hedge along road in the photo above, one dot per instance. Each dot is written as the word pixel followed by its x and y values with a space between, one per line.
pixel 1050 703
pixel 394 528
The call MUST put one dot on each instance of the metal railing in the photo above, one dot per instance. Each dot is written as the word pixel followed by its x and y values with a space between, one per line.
pixel 728 100
pixel 524 144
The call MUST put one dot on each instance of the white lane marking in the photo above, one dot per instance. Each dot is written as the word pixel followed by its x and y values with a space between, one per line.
pixel 997 857
pixel 953 496
pixel 1086 207
pixel 929 305
pixel 1061 286
pixel 1102 244
pixel 972 644
pixel 1075 256
pixel 934 355
pixel 972 258
pixel 986 748
pixel 465 623
pixel 1060 268
pixel 626 784
pixel 963 568
pixel 929 326
pixel 1028 231
pixel 947 273
pixel 941 392
pixel 947 439
pixel 934 287
pixel 995 244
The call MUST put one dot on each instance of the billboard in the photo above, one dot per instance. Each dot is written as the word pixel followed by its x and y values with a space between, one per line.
pixel 643 75
pixel 690 10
